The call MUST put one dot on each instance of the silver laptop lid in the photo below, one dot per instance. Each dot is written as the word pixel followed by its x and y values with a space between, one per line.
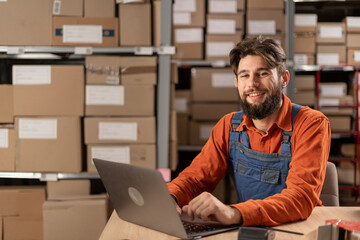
pixel 140 196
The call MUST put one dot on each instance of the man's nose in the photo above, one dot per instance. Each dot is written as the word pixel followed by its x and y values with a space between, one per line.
pixel 254 81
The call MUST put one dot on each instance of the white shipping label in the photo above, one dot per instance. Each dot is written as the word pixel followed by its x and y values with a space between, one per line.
pixel 327 59
pixel 353 21
pixel 332 91
pixel 113 154
pixel 221 26
pixel 112 80
pixel 56 7
pixel 305 20
pixel 219 49
pixel 181 18
pixel 4 138
pixel 82 34
pixel 222 80
pixel 105 95
pixel 300 59
pixel 189 35
pixel 31 75
pixel 330 32
pixel 205 131
pixel 262 27
pixel 118 131
pixel 357 56
pixel 181 105
pixel 329 102
pixel 184 6
pixel 37 128
pixel 222 6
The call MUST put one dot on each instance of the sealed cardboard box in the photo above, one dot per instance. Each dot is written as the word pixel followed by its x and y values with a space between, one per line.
pixel 305 97
pixel 189 43
pixel 304 43
pixel 93 32
pixel 353 56
pixel 330 54
pixel 135 24
pixel 18 227
pixel 225 6
pixel 64 188
pixel 265 22
pixel 278 38
pixel 264 4
pixel 353 40
pixel 200 132
pixel 7 149
pixel 48 144
pixel 156 12
pixel 225 23
pixel 330 105
pixel 121 100
pixel 189 15
pixel 119 130
pixel 329 32
pixel 213 85
pixel 335 89
pixel 218 47
pixel 6 104
pixel 305 22
pixel 99 8
pixel 340 123
pixel 74 219
pixel 304 59
pixel 142 155
pixel 68 8
pixel 212 111
pixel 352 24
pixel 59 90
pixel 183 129
pixel 305 82
pixel 182 101
pixel 25 22
pixel 346 173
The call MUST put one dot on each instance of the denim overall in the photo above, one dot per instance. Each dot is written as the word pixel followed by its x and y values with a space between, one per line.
pixel 258 175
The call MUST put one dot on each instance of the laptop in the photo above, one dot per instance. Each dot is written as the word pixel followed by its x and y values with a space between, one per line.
pixel 140 196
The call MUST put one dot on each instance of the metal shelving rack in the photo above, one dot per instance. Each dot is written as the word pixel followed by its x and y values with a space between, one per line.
pixel 164 52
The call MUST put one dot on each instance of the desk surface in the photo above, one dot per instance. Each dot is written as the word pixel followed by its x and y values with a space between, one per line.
pixel 117 229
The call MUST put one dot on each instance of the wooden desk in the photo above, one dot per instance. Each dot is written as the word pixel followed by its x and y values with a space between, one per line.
pixel 117 229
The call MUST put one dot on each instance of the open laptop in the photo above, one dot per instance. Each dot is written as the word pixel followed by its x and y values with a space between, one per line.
pixel 140 196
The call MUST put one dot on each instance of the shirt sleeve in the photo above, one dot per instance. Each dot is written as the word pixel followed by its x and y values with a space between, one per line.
pixel 310 151
pixel 207 168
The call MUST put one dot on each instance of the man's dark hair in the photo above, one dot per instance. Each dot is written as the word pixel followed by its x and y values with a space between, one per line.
pixel 267 48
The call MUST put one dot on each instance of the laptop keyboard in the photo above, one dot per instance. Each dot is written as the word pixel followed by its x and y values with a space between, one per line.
pixel 192 228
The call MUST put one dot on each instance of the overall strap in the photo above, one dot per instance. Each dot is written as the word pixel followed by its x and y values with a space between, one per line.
pixel 286 143
pixel 234 135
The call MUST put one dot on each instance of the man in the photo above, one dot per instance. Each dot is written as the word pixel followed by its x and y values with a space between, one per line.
pixel 275 151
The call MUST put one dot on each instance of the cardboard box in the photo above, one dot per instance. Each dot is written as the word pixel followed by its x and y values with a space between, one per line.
pixel 212 111
pixel 304 59
pixel 265 22
pixel 329 32
pixel 59 90
pixel 17 227
pixel 113 70
pixel 65 188
pixel 264 4
pixel 305 22
pixel 7 149
pixel 99 8
pixel 6 104
pixel 348 149
pixel 353 56
pixel 173 126
pixel 189 43
pixel 330 105
pixel 135 24
pixel 278 38
pixel 142 155
pixel 305 97
pixel 335 89
pixel 25 23
pixel 225 24
pixel 305 82
pixel 304 43
pixel 353 40
pixel 330 54
pixel 187 15
pixel 68 8
pixel 200 132
pixel 122 100
pixel 156 12
pixel 346 173
pixel 48 144
pixel 213 85
pixel 119 130
pixel 221 6
pixel 352 24
pixel 183 125
pixel 74 219
pixel 340 123
pixel 182 101
pixel 89 32
pixel 218 47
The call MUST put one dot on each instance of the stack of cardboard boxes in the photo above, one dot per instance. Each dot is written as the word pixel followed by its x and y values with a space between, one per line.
pixel 353 40
pixel 305 39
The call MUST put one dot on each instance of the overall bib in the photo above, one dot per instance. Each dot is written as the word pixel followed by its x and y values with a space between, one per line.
pixel 258 175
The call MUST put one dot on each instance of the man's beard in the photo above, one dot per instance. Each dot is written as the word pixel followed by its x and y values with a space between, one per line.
pixel 269 106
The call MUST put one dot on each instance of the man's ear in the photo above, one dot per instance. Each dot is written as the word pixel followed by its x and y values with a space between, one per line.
pixel 285 78
pixel 235 81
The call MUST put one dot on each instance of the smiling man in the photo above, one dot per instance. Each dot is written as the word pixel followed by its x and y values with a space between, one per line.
pixel 276 151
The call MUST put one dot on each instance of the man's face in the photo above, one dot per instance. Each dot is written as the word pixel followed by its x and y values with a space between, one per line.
pixel 259 87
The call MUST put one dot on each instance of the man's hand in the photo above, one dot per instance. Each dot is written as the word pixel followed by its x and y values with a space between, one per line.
pixel 208 207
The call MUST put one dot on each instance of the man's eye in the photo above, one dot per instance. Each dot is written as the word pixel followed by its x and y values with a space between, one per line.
pixel 263 74
pixel 243 76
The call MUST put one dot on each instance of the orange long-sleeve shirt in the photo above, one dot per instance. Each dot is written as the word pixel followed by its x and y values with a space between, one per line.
pixel 310 147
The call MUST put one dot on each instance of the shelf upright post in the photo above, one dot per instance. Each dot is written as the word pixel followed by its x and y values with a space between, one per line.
pixel 163 87
pixel 289 14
